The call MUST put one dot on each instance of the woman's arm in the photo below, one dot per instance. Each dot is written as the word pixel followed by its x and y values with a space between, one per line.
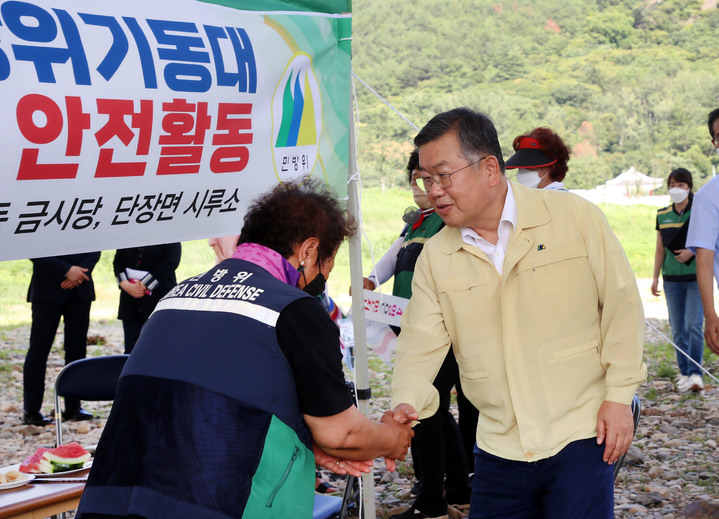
pixel 350 434
pixel 310 342
pixel 384 268
pixel 658 261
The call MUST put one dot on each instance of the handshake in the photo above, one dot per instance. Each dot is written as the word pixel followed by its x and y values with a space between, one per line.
pixel 366 440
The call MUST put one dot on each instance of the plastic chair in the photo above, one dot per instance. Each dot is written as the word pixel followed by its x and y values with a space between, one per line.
pixel 335 507
pixel 636 414
pixel 326 506
pixel 92 378
pixel 350 497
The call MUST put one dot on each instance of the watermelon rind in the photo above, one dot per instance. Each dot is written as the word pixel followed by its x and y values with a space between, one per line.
pixel 70 454
pixel 66 461
pixel 51 467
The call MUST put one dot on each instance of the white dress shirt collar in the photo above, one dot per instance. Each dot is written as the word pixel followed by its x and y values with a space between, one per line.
pixel 507 224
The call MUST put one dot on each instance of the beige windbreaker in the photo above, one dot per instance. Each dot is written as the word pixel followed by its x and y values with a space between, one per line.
pixel 540 348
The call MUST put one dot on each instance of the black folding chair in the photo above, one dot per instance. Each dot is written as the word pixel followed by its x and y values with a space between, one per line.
pixel 93 378
pixel 636 413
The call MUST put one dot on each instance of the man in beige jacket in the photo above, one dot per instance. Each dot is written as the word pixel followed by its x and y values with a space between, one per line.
pixel 535 295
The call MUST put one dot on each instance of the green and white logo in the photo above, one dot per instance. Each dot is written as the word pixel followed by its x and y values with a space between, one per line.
pixel 296 119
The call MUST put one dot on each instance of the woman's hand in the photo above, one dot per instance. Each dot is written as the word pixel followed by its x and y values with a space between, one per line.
pixel 683 255
pixel 655 288
pixel 340 465
pixel 136 290
pixel 367 284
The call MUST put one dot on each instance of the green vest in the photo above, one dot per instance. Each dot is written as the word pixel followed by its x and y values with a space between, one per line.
pixel 670 224
pixel 414 241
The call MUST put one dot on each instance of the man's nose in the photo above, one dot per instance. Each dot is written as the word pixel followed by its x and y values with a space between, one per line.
pixel 436 190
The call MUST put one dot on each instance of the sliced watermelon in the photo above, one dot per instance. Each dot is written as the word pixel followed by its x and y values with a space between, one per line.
pixel 60 459
pixel 32 463
pixel 63 458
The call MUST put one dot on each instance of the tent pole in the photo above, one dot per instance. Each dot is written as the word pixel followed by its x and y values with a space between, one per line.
pixel 358 319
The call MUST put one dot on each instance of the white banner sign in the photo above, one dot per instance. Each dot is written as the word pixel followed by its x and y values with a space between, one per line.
pixel 383 308
pixel 140 122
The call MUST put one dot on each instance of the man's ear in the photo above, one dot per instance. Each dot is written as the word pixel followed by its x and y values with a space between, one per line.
pixel 494 172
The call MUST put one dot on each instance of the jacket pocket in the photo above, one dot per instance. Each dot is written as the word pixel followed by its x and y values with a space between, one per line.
pixel 278 486
pixel 458 284
pixel 473 369
pixel 545 257
pixel 575 352
pixel 571 347
pixel 572 373
pixel 484 384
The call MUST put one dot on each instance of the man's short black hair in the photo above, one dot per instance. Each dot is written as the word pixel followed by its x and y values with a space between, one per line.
pixel 475 131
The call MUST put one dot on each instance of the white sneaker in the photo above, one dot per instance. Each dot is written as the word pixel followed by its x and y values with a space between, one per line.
pixel 683 384
pixel 696 383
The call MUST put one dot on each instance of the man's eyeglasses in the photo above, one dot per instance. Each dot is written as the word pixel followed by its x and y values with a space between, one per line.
pixel 715 140
pixel 444 180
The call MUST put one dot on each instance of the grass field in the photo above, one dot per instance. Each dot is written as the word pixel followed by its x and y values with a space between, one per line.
pixel 382 222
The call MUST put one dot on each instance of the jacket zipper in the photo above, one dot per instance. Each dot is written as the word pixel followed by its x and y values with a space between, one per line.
pixel 284 477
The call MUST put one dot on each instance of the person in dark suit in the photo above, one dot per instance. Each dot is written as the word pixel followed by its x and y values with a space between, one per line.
pixel 144 275
pixel 61 286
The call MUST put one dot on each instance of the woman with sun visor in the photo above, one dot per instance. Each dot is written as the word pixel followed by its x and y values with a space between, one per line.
pixel 540 159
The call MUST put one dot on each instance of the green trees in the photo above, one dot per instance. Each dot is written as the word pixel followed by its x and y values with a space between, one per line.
pixel 624 82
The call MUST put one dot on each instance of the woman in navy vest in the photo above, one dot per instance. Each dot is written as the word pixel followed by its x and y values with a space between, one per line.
pixel 235 388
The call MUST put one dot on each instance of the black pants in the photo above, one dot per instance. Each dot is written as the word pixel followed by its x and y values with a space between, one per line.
pixel 45 320
pixel 468 418
pixel 438 450
pixel 131 330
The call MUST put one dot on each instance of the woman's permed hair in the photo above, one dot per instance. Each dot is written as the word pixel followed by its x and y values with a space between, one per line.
pixel 553 147
pixel 291 212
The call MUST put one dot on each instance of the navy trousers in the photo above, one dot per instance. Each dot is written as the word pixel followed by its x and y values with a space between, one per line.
pixel 576 482
pixel 131 330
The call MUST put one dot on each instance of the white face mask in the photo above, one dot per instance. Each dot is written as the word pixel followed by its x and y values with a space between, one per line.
pixel 716 150
pixel 528 177
pixel 678 194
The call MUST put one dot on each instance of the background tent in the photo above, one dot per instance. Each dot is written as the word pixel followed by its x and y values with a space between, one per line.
pixel 632 183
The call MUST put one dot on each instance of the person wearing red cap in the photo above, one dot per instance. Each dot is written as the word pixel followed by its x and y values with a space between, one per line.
pixel 540 159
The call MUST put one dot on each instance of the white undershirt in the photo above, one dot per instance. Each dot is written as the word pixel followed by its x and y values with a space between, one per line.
pixel 507 224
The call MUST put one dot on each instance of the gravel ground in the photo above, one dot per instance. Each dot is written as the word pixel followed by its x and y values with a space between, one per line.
pixel 672 463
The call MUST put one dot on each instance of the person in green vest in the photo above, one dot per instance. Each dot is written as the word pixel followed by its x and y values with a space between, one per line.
pixel 440 447
pixel 679 275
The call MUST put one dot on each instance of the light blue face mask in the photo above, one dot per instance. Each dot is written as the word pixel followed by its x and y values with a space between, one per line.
pixel 528 177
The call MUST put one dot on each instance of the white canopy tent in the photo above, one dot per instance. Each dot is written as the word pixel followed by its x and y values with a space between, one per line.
pixel 632 182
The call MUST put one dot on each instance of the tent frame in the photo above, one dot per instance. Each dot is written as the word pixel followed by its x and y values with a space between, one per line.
pixel 358 317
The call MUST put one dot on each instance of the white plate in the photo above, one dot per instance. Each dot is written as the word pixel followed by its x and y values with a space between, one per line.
pixel 23 479
pixel 86 466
